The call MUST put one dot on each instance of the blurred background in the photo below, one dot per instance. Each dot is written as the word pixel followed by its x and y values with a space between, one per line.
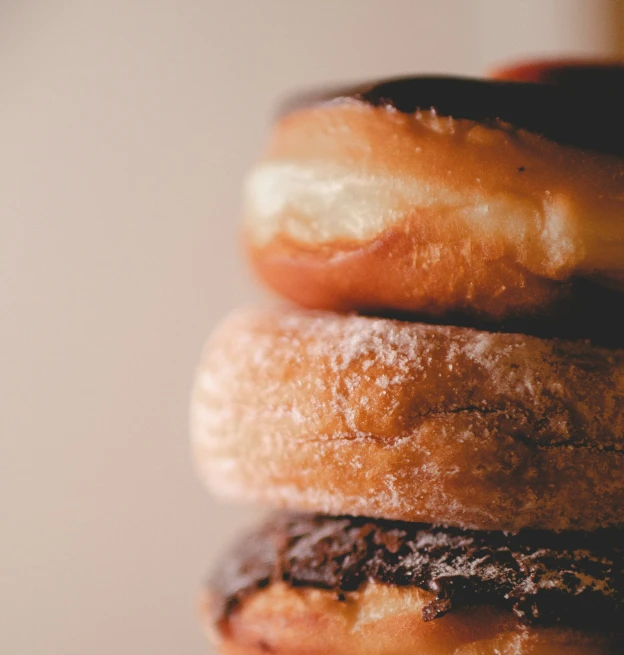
pixel 125 131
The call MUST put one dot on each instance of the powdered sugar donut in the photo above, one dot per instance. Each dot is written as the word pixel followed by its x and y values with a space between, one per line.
pixel 437 196
pixel 376 417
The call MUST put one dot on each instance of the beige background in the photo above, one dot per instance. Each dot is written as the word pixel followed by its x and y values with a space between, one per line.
pixel 125 130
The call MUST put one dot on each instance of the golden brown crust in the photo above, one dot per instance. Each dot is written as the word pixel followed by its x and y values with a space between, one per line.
pixel 374 417
pixel 360 207
pixel 383 620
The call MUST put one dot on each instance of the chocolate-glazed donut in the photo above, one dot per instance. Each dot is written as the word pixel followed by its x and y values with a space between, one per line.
pixel 485 201
pixel 434 590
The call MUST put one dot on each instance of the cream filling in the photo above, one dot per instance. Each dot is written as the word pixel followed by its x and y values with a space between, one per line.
pixel 321 203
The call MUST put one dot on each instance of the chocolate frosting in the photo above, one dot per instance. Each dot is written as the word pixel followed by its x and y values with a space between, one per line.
pixel 543 578
pixel 581 107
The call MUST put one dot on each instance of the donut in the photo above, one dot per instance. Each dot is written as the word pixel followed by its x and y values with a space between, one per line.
pixel 485 199
pixel 317 585
pixel 594 74
pixel 345 414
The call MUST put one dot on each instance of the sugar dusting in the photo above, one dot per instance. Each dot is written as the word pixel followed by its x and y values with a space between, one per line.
pixel 347 413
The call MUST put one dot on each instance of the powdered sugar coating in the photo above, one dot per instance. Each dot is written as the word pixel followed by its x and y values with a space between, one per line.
pixel 348 414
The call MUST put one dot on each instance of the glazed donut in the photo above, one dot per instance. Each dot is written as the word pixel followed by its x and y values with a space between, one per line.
pixel 440 196
pixel 319 585
pixel 338 414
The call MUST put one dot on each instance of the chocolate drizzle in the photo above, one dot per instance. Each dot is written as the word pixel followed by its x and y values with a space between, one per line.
pixel 579 108
pixel 543 578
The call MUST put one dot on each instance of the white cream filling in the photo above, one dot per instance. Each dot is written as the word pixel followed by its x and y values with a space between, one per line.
pixel 319 203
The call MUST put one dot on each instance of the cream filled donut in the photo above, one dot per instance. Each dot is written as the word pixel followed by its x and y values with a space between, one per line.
pixel 322 585
pixel 492 200
pixel 338 414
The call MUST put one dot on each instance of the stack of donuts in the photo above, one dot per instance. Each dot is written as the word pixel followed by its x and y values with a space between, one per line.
pixel 438 419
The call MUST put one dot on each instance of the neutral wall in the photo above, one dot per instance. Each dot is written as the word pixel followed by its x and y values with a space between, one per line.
pixel 125 131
